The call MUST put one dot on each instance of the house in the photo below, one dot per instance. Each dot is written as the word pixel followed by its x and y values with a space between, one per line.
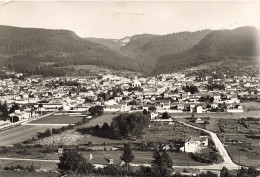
pixel 199 121
pixel 136 83
pixel 153 115
pixel 193 144
pixel 199 109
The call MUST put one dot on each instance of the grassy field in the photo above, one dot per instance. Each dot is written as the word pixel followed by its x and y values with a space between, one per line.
pixel 218 115
pixel 251 105
pixel 21 133
pixel 213 125
pixel 162 132
pixel 141 157
pixel 40 165
pixel 57 119
pixel 11 173
pixel 73 137
pixel 247 157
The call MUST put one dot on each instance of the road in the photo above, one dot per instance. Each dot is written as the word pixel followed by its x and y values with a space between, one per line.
pixel 227 161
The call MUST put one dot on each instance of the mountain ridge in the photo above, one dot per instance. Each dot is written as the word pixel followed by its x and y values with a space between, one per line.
pixel 148 53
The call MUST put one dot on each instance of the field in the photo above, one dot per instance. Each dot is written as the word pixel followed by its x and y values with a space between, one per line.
pixel 251 106
pixel 21 133
pixel 218 115
pixel 57 119
pixel 141 157
pixel 241 137
pixel 162 132
pixel 11 173
pixel 247 157
pixel 72 137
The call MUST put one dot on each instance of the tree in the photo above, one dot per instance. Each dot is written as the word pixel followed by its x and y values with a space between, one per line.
pixel 165 115
pixel 167 160
pixel 4 110
pixel 96 110
pixel 71 162
pixel 47 132
pixel 13 108
pixel 224 172
pixel 40 107
pixel 105 126
pixel 127 124
pixel 15 119
pixel 97 127
pixel 145 112
pixel 127 156
pixel 162 164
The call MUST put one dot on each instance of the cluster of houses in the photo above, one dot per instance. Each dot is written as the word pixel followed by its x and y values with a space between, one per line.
pixel 164 93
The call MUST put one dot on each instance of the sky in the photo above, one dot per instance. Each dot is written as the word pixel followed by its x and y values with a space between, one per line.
pixel 117 19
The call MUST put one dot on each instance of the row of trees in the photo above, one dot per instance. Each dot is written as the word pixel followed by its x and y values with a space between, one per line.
pixel 72 162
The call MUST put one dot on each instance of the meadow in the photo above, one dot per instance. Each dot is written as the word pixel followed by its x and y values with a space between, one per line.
pixel 57 119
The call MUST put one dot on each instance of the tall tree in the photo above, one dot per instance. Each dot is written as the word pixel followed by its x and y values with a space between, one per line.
pixel 162 164
pixel 127 156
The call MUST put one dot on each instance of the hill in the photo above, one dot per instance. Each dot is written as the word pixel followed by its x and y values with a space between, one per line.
pixel 150 47
pixel 112 44
pixel 27 47
pixel 217 45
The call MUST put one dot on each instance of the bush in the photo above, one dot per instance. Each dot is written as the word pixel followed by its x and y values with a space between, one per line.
pixel 212 157
pixel 114 170
pixel 32 168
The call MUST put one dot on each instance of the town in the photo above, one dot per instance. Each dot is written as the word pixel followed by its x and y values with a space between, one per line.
pixel 199 102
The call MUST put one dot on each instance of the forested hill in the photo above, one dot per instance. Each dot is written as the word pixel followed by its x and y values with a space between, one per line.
pixel 215 46
pixel 150 47
pixel 27 47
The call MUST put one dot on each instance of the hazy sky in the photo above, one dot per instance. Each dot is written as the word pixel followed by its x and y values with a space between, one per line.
pixel 119 19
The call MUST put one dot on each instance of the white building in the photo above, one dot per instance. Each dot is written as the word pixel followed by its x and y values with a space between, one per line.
pixel 193 144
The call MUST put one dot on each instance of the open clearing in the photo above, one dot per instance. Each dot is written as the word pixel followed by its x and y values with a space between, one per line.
pixel 57 119
pixel 21 133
